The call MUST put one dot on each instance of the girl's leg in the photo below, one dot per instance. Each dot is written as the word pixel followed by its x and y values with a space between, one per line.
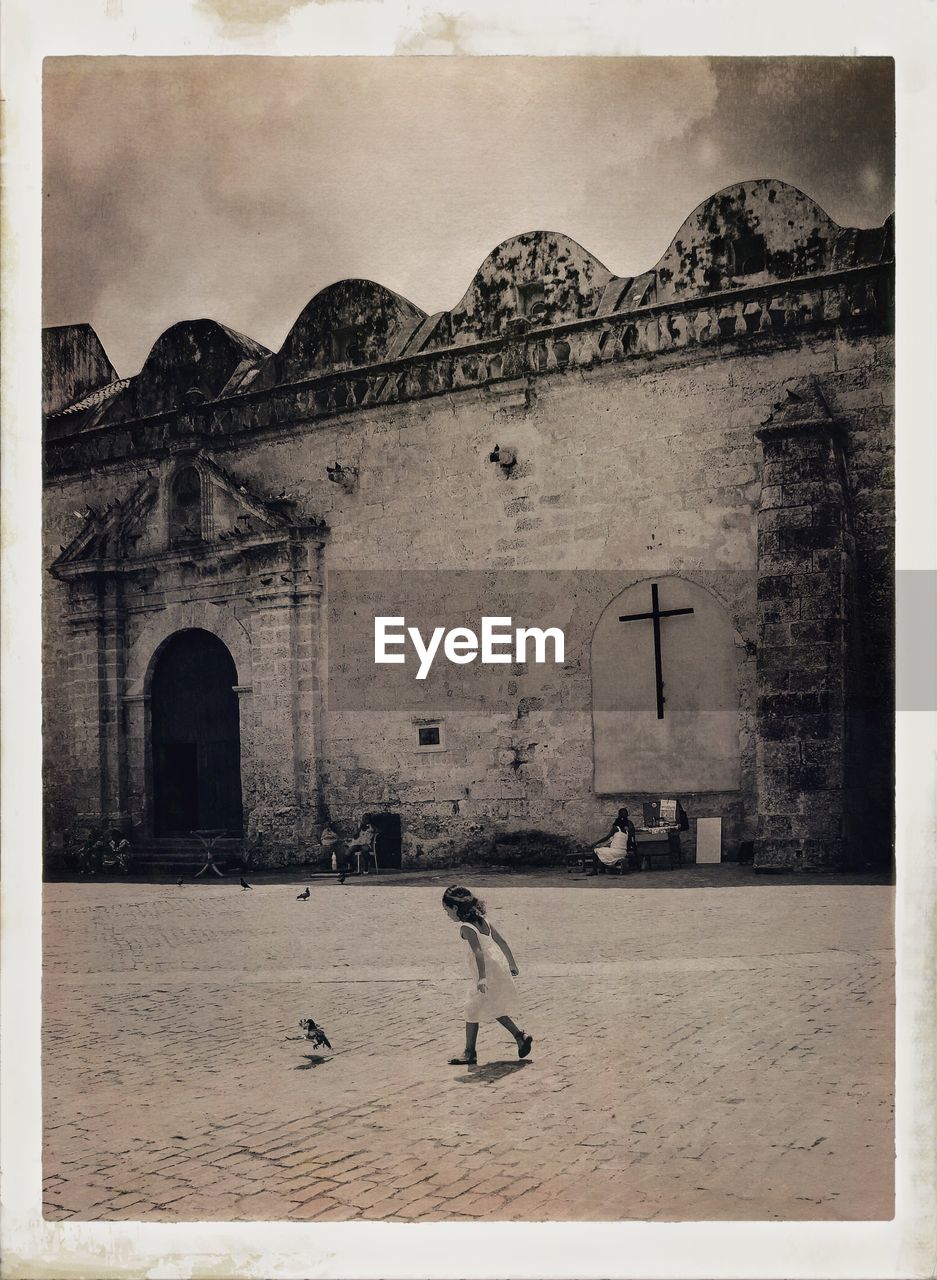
pixel 524 1041
pixel 512 1027
pixel 471 1035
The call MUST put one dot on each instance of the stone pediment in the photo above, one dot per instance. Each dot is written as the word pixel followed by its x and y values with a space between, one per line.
pixel 109 533
pixel 191 509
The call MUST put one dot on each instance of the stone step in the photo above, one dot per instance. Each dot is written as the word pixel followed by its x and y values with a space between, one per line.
pixel 179 853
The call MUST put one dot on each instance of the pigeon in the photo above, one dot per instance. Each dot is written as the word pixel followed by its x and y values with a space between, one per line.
pixel 245 885
pixel 301 897
pixel 179 881
pixel 341 878
pixel 314 1032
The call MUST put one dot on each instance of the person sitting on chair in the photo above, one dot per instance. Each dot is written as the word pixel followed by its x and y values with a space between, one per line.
pixel 362 846
pixel 618 844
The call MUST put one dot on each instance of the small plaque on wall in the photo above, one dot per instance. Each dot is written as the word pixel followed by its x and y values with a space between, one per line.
pixel 709 840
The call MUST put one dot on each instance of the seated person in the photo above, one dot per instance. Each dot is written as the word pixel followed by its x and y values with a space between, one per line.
pixel 362 846
pixel 617 846
pixel 348 854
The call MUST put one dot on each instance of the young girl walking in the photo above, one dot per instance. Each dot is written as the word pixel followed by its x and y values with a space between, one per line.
pixel 491 995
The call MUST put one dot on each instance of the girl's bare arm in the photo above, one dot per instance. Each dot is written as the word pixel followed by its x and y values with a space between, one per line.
pixel 496 937
pixel 470 937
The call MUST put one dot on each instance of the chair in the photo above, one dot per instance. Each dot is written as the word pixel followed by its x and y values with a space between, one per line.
pixel 368 855
pixel 612 861
pixel 583 859
pixel 372 853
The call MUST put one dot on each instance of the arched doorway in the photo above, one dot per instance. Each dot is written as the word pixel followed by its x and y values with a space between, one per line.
pixel 195 737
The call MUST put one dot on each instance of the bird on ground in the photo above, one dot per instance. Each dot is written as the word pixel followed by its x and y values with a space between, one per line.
pixel 301 897
pixel 179 881
pixel 314 1032
pixel 341 878
pixel 245 885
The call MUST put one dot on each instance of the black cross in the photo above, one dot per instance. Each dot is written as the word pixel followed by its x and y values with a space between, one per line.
pixel 655 615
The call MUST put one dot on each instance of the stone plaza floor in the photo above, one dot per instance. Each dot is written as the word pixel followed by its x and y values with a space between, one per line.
pixel 708 1044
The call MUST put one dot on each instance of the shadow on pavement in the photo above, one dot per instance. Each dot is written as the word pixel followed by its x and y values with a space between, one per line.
pixel 489 1072
pixel 312 1060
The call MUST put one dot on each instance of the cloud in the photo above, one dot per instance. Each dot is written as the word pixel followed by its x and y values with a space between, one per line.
pixel 238 187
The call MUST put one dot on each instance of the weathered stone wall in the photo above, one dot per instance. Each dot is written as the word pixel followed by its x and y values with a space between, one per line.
pixel 641 469
pixel 628 414
pixel 806 553
pixel 353 322
pixel 74 363
pixel 71 788
pixel 258 591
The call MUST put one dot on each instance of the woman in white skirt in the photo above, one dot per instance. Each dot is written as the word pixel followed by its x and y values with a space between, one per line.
pixel 492 996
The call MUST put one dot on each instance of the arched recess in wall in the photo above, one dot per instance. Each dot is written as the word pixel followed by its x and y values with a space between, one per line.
pixel 694 746
pixel 195 736
pixel 187 515
pixel 219 620
pixel 143 658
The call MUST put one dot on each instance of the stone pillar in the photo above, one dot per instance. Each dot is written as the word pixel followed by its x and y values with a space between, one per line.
pixel 804 568
pixel 244 693
pixel 138 757
pixel 283 710
pixel 95 709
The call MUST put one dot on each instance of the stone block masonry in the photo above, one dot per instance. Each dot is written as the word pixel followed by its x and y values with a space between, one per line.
pixel 806 562
pixel 639 439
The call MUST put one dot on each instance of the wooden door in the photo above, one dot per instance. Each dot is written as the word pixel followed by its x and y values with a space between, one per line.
pixel 196 737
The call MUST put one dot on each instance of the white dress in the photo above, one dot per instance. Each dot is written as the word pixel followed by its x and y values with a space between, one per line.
pixel 616 849
pixel 500 1000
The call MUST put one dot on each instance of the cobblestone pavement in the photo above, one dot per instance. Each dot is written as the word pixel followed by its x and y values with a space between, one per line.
pixel 725 1053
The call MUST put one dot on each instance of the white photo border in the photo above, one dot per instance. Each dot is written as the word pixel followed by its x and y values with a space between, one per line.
pixel 33 29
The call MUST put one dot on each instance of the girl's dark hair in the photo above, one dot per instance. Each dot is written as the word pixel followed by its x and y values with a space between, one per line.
pixel 466 905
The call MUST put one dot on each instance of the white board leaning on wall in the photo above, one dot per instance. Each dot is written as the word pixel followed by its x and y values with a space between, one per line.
pixel 709 840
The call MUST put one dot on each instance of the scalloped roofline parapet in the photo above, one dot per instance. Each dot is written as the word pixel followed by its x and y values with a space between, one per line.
pixel 757 318
pixel 751 247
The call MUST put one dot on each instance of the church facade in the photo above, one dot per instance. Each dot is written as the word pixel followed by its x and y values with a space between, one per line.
pixel 688 473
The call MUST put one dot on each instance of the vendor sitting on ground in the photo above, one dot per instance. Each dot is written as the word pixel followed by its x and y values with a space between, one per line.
pixel 617 845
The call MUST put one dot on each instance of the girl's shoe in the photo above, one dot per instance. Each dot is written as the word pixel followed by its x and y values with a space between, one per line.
pixel 466 1060
pixel 523 1049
